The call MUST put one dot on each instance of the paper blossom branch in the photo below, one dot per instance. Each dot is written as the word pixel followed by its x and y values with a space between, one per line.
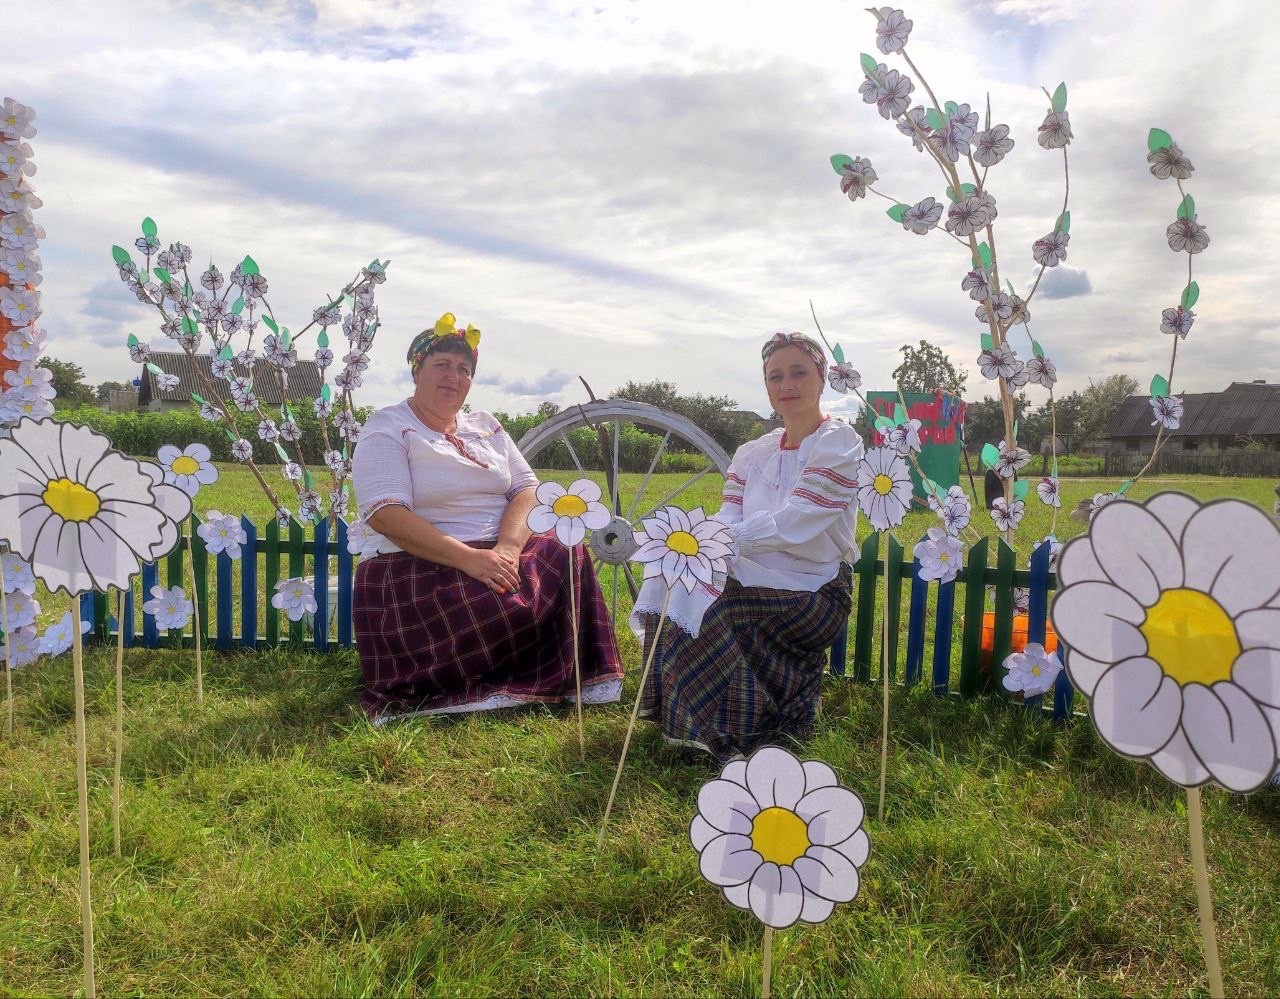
pixel 948 134
pixel 782 839
pixel 569 513
pixel 684 549
pixel 232 322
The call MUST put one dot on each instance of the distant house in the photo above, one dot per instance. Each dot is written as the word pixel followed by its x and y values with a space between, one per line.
pixel 1244 414
pixel 193 372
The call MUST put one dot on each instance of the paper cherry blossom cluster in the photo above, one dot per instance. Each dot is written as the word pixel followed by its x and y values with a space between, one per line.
pixel 27 391
pixel 23 643
pixel 949 135
pixel 230 317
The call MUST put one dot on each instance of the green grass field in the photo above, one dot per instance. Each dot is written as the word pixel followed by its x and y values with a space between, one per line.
pixel 274 843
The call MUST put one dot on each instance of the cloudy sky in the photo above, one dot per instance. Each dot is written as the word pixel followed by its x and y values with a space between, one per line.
pixel 638 189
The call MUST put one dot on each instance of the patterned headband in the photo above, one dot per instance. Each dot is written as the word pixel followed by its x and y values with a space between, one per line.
pixel 444 328
pixel 809 346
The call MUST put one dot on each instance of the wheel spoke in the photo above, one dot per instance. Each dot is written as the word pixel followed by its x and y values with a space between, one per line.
pixel 573 454
pixel 614 614
pixel 617 471
pixel 711 467
pixel 635 502
pixel 631 583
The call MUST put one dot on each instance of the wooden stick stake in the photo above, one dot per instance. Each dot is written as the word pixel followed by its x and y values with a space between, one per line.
pixel 195 616
pixel 1208 935
pixel 82 781
pixel 768 963
pixel 577 666
pixel 115 784
pixel 8 652
pixel 884 675
pixel 635 711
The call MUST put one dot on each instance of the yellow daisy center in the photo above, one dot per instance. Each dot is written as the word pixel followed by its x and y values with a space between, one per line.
pixel 71 501
pixel 682 542
pixel 1192 638
pixel 184 464
pixel 883 484
pixel 569 505
pixel 779 835
pixel 1035 670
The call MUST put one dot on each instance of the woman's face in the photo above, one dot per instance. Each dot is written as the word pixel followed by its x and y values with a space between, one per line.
pixel 442 383
pixel 793 382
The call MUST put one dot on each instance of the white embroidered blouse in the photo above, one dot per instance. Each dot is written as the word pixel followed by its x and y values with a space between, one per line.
pixel 459 483
pixel 791 511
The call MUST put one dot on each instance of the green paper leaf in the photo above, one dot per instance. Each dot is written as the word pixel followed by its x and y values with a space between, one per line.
pixel 132 341
pixel 1187 208
pixel 1036 349
pixel 838 163
pixel 197 398
pixel 190 325
pixel 187 289
pixel 270 324
pixel 987 342
pixel 148 227
pixel 1064 222
pixel 1159 386
pixel 1190 295
pixel 1060 98
pixel 322 341
pixel 1158 138
pixel 990 455
pixel 1055 467
pixel 1015 430
pixel 951 193
pixel 345 454
pixel 1020 489
pixel 899 414
pixel 284 455
pixel 154 369
pixel 951 107
pixel 308 479
pixel 285 340
pixel 838 353
pixel 119 254
pixel 225 354
pixel 883 422
pixel 144 277
pixel 326 393
pixel 162 274
pixel 230 436
pixel 1124 487
pixel 249 266
pixel 869 64
pixel 237 306
pixel 283 411
pixel 897 212
pixel 933 119
pixel 984 254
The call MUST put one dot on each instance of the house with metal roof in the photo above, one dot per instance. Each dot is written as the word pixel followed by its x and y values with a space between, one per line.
pixel 193 372
pixel 1244 415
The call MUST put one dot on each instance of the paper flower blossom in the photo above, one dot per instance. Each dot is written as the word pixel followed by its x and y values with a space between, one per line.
pixel 188 468
pixel 1167 411
pixel 295 597
pixel 1006 515
pixel 683 548
pixel 999 362
pixel 892 30
pixel 1187 236
pixel 58 637
pixel 1170 162
pixel 1031 671
pixel 1100 500
pixel 922 216
pixel 21 610
pixel 1055 131
pixel 1049 493
pixel 1051 250
pixel 992 145
pixel 1177 321
pixel 1167 609
pixel 221 532
pixel 362 539
pixel 843 378
pixel 84 515
pixel 1041 371
pixel 21 648
pixel 939 557
pixel 884 488
pixel 170 608
pixel 569 512
pixel 904 437
pixel 856 177
pixel 241 450
pixel 956 511
pixel 780 837
pixel 1010 460
pixel 17 574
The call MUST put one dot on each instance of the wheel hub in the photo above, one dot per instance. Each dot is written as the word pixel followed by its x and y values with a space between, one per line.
pixel 614 543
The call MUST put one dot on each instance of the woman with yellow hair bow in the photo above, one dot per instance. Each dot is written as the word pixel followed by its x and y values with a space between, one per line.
pixel 462 608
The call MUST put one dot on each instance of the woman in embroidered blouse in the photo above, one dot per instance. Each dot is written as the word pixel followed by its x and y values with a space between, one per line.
pixel 744 666
pixel 461 608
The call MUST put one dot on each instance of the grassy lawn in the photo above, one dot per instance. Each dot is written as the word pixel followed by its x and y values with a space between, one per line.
pixel 275 843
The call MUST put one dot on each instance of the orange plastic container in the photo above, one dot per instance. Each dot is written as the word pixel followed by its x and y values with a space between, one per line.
pixel 1019 640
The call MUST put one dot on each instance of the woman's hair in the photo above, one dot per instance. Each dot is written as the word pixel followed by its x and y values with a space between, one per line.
pixel 430 341
pixel 806 344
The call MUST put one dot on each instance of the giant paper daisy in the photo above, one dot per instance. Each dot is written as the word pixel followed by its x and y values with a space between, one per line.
pixel 1172 614
pixel 569 512
pixel 82 513
pixel 780 837
pixel 683 548
pixel 884 488
pixel 187 468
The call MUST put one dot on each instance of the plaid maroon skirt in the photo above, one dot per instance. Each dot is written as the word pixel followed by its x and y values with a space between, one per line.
pixel 434 640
